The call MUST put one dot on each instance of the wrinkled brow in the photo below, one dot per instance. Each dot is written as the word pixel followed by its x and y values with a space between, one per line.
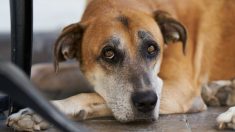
pixel 124 20
pixel 144 35
pixel 115 41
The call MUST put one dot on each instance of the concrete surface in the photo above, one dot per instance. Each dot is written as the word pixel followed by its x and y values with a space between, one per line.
pixel 199 122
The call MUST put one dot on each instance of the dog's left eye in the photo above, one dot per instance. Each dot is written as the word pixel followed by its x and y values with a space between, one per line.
pixel 151 49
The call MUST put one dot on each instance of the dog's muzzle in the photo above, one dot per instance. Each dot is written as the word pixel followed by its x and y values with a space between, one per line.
pixel 144 101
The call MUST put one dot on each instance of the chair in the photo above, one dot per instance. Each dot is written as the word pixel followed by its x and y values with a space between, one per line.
pixel 15 82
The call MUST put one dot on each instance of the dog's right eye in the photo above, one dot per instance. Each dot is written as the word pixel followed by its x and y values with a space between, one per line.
pixel 111 55
pixel 108 53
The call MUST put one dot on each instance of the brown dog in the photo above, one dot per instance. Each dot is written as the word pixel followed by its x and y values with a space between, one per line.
pixel 127 47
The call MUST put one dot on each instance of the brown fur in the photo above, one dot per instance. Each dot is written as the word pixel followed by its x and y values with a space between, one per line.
pixel 210 49
pixel 209 54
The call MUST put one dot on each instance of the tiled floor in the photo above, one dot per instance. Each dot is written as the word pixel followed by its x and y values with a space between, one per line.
pixel 199 122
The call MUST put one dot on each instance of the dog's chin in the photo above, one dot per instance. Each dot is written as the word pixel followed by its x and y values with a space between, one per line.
pixel 126 116
pixel 136 118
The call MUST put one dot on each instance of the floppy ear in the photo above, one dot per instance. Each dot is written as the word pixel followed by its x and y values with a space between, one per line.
pixel 68 44
pixel 172 30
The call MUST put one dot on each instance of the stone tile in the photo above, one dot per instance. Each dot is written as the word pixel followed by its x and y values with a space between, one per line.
pixel 198 122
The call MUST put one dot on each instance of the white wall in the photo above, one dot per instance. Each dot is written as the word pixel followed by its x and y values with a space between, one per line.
pixel 48 14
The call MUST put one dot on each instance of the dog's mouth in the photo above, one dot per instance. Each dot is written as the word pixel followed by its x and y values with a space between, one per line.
pixel 129 102
pixel 128 113
pixel 132 106
pixel 144 118
pixel 139 118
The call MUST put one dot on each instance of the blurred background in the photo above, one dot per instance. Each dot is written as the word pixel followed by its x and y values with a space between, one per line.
pixel 50 16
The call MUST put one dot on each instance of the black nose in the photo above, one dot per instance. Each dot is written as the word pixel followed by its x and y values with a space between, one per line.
pixel 144 101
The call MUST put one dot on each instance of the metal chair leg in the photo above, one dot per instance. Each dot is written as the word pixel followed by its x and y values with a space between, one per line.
pixel 15 83
pixel 21 38
pixel 21 33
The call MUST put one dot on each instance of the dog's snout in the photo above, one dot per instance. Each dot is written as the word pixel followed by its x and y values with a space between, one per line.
pixel 144 101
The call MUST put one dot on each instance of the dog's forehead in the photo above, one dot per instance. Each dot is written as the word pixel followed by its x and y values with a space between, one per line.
pixel 122 29
pixel 102 32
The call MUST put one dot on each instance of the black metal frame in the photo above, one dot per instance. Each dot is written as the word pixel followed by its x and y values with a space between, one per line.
pixel 21 33
pixel 21 39
pixel 16 84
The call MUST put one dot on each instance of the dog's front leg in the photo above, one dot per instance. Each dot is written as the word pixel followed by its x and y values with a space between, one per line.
pixel 83 106
pixel 180 96
pixel 79 107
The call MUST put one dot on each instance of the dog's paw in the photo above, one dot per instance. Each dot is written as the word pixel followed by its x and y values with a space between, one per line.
pixel 227 119
pixel 219 93
pixel 72 110
pixel 26 120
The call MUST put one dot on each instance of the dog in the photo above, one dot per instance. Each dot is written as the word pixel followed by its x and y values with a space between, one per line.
pixel 144 57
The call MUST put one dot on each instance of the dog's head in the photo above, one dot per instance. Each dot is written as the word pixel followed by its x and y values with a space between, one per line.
pixel 120 55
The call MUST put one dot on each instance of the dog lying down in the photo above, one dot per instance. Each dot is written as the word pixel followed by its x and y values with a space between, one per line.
pixel 144 58
pixel 217 93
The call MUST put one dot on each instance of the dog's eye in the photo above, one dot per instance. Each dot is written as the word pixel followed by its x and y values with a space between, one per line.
pixel 108 52
pixel 112 55
pixel 151 49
